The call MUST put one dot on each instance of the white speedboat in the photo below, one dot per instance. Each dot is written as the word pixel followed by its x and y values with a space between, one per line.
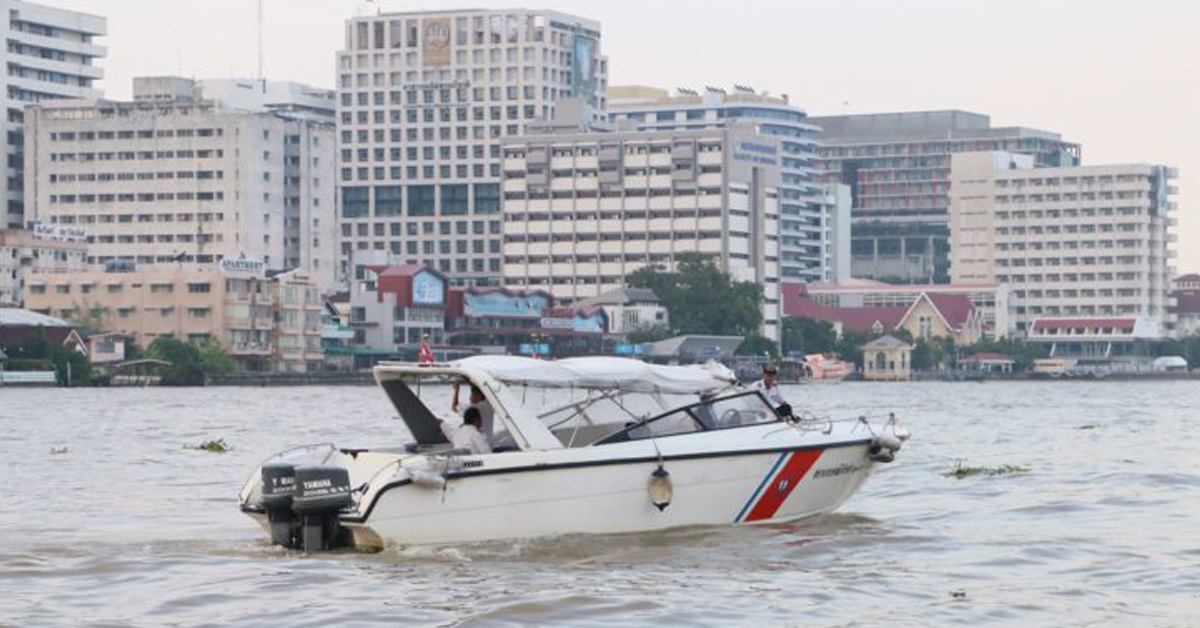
pixel 625 447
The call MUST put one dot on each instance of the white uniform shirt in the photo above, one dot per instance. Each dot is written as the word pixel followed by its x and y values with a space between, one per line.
pixel 771 393
pixel 487 419
pixel 466 437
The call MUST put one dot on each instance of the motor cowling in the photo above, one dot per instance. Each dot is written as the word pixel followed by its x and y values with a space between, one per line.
pixel 278 488
pixel 321 492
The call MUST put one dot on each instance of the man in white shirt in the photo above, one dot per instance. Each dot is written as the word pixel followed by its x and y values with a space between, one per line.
pixel 769 388
pixel 486 413
pixel 467 436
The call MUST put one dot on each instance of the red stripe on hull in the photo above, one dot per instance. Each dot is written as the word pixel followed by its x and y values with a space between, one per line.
pixel 785 481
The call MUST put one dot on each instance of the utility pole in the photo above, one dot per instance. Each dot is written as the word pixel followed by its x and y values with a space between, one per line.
pixel 261 77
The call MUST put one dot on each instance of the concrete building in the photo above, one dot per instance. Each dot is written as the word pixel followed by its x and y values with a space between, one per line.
pixel 990 299
pixel 41 249
pixel 898 167
pixel 51 55
pixel 265 324
pixel 1185 294
pixel 244 94
pixel 929 315
pixel 156 181
pixel 1077 242
pixel 584 210
pixel 887 359
pixel 814 229
pixel 424 101
pixel 629 309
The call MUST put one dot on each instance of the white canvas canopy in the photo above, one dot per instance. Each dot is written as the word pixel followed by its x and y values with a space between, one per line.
pixel 623 374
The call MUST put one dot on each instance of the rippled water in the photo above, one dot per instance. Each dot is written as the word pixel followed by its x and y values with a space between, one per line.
pixel 128 528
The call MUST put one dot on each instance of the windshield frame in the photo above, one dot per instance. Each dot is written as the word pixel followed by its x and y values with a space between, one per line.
pixel 622 435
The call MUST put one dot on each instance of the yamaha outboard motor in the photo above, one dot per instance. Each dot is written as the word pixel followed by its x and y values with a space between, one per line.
pixel 321 493
pixel 278 487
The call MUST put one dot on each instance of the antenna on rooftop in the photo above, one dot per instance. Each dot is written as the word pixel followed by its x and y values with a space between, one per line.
pixel 261 78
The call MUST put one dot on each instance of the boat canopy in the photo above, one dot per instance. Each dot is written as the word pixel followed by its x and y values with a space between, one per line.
pixel 603 373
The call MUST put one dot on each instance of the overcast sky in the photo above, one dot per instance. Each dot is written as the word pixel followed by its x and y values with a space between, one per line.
pixel 1121 78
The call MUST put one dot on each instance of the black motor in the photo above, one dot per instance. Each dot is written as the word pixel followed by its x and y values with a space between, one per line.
pixel 320 494
pixel 278 488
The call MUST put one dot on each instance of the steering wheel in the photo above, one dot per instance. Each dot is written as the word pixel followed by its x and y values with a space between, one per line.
pixel 730 418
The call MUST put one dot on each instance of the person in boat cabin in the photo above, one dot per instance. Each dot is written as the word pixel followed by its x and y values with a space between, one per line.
pixel 480 403
pixel 769 387
pixel 468 435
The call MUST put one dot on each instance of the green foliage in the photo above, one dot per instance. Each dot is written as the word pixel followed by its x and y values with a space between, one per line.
pixel 190 362
pixel 218 446
pixel 29 364
pixel 649 334
pixel 703 299
pixel 805 335
pixel 756 345
pixel 961 471
pixel 1021 353
pixel 933 353
pixel 87 319
pixel 70 367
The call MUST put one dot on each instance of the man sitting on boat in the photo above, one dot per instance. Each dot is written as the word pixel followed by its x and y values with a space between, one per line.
pixel 468 435
pixel 486 413
pixel 769 387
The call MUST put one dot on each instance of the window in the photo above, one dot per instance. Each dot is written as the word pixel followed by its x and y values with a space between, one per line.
pixel 487 198
pixel 199 288
pixel 355 201
pixel 455 200
pixel 387 200
pixel 421 200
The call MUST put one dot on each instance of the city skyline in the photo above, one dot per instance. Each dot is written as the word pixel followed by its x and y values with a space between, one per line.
pixel 1095 62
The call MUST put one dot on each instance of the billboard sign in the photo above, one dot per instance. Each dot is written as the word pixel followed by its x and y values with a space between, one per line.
pixel 243 265
pixel 428 289
pixel 498 303
pixel 435 42
pixel 583 72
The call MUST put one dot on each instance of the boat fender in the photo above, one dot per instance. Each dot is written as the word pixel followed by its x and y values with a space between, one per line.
pixel 889 442
pixel 883 448
pixel 660 488
pixel 426 478
pixel 901 433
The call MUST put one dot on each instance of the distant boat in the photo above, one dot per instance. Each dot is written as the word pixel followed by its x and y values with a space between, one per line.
pixel 827 368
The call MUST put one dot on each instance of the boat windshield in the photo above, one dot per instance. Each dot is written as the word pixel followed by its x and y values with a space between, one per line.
pixel 748 408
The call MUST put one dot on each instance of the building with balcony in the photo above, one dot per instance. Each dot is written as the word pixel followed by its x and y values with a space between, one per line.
pixel 814 228
pixel 158 181
pixel 898 168
pixel 1074 242
pixel 424 100
pixel 51 54
pixel 265 324
pixel 583 210
pixel 25 251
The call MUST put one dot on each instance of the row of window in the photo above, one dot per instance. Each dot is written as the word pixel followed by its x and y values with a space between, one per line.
pixel 214 153
pixel 88 136
pixel 69 219
pixel 428 227
pixel 420 200
pixel 433 247
pixel 137 176
pixel 629 214
pixel 140 197
pixel 413 173
pixel 623 236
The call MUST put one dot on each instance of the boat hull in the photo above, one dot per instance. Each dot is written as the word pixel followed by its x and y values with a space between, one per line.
pixel 612 497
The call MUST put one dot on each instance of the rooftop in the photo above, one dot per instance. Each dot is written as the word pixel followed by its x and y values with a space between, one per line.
pixel 12 316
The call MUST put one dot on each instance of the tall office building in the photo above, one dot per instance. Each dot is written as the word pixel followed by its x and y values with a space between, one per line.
pixel 583 210
pixel 50 55
pixel 898 168
pixel 809 237
pixel 424 100
pixel 1073 243
pixel 156 180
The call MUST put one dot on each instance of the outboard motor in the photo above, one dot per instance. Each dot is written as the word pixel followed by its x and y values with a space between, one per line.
pixel 278 487
pixel 321 493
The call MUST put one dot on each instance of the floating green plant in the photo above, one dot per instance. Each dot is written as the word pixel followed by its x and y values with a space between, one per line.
pixel 218 446
pixel 961 471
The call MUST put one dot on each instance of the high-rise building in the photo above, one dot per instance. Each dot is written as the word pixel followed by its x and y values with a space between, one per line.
pixel 809 235
pixel 1074 242
pixel 424 100
pixel 583 210
pixel 51 55
pixel 898 168
pixel 155 181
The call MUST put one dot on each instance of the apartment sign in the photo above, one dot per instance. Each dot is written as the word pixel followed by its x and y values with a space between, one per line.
pixel 58 232
pixel 243 265
pixel 435 42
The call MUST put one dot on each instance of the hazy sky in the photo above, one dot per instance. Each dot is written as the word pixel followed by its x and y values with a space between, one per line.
pixel 1121 78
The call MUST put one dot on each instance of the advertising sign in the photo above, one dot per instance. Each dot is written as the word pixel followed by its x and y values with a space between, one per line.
pixel 593 324
pixel 508 305
pixel 435 42
pixel 243 265
pixel 58 232
pixel 628 348
pixel 428 289
pixel 583 75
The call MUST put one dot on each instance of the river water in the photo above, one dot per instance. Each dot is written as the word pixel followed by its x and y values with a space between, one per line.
pixel 106 519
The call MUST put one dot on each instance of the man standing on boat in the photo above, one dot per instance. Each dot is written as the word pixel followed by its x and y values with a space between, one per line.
pixel 769 387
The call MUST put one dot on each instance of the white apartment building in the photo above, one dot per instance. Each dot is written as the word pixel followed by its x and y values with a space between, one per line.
pixel 584 210
pixel 814 232
pixel 1079 241
pixel 156 181
pixel 27 251
pixel 424 100
pixel 244 94
pixel 50 55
